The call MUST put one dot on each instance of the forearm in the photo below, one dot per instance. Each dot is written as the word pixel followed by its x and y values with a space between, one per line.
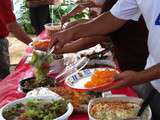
pixel 101 25
pixel 19 33
pixel 150 74
pixel 131 78
pixel 81 44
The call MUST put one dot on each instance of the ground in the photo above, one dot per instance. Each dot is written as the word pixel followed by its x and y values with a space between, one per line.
pixel 16 49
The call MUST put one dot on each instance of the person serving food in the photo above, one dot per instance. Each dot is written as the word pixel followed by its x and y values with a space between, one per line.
pixel 108 22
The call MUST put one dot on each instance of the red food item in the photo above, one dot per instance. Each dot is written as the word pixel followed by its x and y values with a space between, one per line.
pixel 45 65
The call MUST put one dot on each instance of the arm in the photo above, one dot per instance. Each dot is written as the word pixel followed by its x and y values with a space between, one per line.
pixel 147 75
pixel 101 25
pixel 18 32
pixel 10 21
pixel 81 44
pixel 130 78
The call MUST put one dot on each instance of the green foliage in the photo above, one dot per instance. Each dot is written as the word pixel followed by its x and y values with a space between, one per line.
pixel 58 10
pixel 23 17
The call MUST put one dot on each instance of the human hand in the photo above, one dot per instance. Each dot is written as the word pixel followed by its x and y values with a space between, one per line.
pixel 64 19
pixel 124 79
pixel 59 39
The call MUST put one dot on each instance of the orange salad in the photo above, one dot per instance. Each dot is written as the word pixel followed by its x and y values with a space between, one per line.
pixel 100 78
pixel 41 44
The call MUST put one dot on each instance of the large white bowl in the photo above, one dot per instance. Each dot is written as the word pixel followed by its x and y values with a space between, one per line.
pixel 147 112
pixel 47 98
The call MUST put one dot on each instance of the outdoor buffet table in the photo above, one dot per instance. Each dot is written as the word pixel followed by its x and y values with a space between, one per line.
pixel 9 88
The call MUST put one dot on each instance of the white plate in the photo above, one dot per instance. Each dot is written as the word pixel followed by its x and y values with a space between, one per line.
pixel 79 79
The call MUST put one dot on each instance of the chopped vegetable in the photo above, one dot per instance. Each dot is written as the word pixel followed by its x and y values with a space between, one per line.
pixel 40 61
pixel 75 97
pixel 36 109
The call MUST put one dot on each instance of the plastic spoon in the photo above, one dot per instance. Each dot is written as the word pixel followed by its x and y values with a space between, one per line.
pixel 75 68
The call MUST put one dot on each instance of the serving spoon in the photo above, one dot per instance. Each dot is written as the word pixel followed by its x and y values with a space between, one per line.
pixel 74 68
pixel 146 102
pixel 144 105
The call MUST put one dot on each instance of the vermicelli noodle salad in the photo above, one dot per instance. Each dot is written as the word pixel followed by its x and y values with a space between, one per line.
pixel 114 110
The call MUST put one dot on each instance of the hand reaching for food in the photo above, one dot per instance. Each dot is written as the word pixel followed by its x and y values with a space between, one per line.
pixel 59 39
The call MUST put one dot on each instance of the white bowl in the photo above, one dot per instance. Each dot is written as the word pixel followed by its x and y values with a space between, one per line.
pixel 147 112
pixel 47 98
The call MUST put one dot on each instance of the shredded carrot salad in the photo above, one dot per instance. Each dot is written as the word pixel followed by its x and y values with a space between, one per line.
pixel 100 78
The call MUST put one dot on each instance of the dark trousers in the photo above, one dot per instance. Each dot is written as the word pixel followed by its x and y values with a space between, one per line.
pixel 39 17
pixel 143 91
pixel 4 58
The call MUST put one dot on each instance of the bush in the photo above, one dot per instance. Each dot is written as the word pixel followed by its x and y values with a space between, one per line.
pixel 22 13
pixel 63 9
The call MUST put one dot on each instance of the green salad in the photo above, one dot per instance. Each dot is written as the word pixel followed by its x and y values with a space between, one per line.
pixel 36 109
pixel 41 61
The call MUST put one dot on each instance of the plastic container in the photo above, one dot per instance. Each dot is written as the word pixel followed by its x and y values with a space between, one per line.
pixel 47 98
pixel 57 66
pixel 52 28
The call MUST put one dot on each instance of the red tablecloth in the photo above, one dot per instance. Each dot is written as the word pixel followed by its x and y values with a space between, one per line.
pixel 9 88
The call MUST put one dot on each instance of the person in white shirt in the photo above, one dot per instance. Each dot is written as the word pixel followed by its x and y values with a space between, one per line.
pixel 108 22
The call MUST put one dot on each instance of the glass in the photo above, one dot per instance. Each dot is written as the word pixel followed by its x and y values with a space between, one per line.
pixel 52 28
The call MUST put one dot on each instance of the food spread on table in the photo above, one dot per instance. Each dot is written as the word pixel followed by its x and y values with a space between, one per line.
pixel 114 110
pixel 40 62
pixel 98 57
pixel 78 99
pixel 79 91
pixel 29 84
pixel 36 109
